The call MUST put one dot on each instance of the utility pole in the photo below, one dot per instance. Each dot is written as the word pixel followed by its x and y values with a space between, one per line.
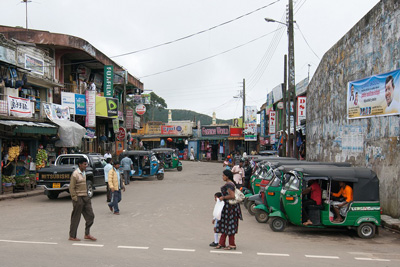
pixel 244 104
pixel 284 86
pixel 291 81
pixel 26 12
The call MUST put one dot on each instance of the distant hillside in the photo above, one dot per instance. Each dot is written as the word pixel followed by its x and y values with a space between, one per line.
pixel 183 115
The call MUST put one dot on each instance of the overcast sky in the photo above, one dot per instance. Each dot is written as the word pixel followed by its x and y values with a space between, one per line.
pixel 120 26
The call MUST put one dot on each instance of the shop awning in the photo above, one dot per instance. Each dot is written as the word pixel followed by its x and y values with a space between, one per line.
pixel 151 139
pixel 29 127
pixel 71 133
pixel 235 138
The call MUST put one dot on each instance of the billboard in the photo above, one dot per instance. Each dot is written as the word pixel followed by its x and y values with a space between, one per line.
pixel 106 107
pixel 75 102
pixel 378 95
pixel 237 123
pixel 250 123
pixel 215 131
pixel 19 107
pixel 301 108
pixel 90 120
pixel 272 122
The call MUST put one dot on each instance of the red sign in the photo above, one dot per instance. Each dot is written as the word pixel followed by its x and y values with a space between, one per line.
pixel 236 132
pixel 140 109
pixel 301 108
pixel 121 134
pixel 171 130
pixel 272 122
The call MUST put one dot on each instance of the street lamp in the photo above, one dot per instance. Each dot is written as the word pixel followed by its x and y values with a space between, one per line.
pixel 272 20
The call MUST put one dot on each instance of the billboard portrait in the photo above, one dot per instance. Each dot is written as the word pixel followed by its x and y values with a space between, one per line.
pixel 378 95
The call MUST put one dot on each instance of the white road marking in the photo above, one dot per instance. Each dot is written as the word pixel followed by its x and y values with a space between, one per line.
pixel 370 259
pixel 272 254
pixel 225 252
pixel 87 245
pixel 29 242
pixel 321 257
pixel 179 249
pixel 130 247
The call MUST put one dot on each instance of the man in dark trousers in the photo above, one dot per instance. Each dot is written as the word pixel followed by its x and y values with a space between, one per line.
pixel 80 201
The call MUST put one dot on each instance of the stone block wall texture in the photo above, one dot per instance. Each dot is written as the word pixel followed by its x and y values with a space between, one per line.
pixel 371 47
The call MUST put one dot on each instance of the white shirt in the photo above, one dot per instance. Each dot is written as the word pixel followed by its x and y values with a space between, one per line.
pixel 238 177
pixel 107 156
pixel 92 87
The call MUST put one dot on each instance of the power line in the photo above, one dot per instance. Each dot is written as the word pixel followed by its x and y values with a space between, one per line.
pixel 204 59
pixel 298 27
pixel 197 33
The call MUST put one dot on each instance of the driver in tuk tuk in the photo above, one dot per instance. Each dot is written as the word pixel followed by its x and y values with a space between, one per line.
pixel 315 199
pixel 340 208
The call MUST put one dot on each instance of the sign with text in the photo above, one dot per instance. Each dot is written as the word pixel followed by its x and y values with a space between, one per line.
pixel 301 108
pixel 250 123
pixel 90 120
pixel 378 95
pixel 272 122
pixel 262 123
pixel 129 119
pixel 215 131
pixel 19 107
pixel 137 122
pixel 106 107
pixel 54 111
pixel 171 130
pixel 108 81
pixel 75 102
pixel 236 132
pixel 140 109
pixel 34 64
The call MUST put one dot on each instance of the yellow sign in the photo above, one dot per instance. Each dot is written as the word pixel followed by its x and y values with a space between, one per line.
pixel 106 107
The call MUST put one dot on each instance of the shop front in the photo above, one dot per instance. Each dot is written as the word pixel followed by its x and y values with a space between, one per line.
pixel 212 142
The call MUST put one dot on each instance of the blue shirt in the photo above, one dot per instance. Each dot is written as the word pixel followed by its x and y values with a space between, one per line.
pixel 126 164
pixel 107 168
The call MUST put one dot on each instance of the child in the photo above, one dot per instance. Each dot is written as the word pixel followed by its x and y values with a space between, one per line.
pixel 215 221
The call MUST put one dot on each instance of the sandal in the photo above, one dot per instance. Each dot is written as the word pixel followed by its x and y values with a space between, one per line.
pixel 219 246
pixel 230 248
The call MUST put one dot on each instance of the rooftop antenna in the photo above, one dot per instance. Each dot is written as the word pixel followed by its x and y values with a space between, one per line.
pixel 26 12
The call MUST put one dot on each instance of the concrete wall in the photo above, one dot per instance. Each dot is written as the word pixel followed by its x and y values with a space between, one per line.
pixel 371 47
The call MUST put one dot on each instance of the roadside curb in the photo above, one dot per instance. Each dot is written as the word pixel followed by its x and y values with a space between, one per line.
pixel 36 192
pixel 390 223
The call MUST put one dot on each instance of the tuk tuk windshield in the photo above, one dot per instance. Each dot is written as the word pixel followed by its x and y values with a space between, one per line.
pixel 267 175
pixel 293 184
pixel 275 182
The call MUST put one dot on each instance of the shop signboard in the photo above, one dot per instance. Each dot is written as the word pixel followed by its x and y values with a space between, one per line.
pixel 146 99
pixel 154 129
pixel 140 109
pixel 171 130
pixel 90 120
pixel 36 65
pixel 115 125
pixel 106 107
pixel 54 111
pixel 262 123
pixel 129 119
pixel 137 99
pixel 272 122
pixel 137 122
pixel 119 147
pixel 80 104
pixel 121 134
pixel 222 131
pixel 68 100
pixel 19 107
pixel 301 87
pixel 277 92
pixel 237 123
pixel 272 139
pixel 250 125
pixel 378 95
pixel 236 132
pixel 301 108
pixel 108 81
pixel 90 133
pixel 7 55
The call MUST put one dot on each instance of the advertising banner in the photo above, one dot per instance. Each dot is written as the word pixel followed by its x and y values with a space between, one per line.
pixel 378 95
pixel 272 122
pixel 54 111
pixel 90 133
pixel 237 123
pixel 140 109
pixel 90 120
pixel 34 64
pixel 215 131
pixel 129 119
pixel 146 99
pixel 80 104
pixel 19 107
pixel 236 132
pixel 106 107
pixel 108 81
pixel 262 123
pixel 115 125
pixel 75 102
pixel 250 123
pixel 137 123
pixel 301 108
pixel 171 130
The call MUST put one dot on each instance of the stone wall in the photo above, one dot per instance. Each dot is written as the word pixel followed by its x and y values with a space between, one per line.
pixel 371 47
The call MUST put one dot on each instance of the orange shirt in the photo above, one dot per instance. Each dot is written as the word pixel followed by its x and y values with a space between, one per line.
pixel 347 193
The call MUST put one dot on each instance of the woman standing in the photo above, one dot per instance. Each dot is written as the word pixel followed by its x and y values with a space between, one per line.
pixel 229 223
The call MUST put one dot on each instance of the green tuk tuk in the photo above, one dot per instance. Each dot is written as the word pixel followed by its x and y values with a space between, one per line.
pixel 362 214
pixel 168 158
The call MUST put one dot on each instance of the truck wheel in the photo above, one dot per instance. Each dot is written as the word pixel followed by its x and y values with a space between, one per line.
pixel 261 216
pixel 52 194
pixel 160 176
pixel 179 168
pixel 366 230
pixel 252 208
pixel 90 189
pixel 277 224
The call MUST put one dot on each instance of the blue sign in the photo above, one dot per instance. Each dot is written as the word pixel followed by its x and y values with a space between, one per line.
pixel 80 104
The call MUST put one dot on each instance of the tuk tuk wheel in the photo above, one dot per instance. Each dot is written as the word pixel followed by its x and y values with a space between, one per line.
pixel 366 230
pixel 245 201
pixel 252 208
pixel 261 216
pixel 277 224
pixel 160 176
pixel 179 168
pixel 90 189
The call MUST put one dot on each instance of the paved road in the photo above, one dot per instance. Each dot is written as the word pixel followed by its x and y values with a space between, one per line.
pixel 168 223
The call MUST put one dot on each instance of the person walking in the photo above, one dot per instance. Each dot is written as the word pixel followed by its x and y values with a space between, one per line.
pixel 81 203
pixel 127 166
pixel 107 168
pixel 229 223
pixel 107 155
pixel 116 184
pixel 238 174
